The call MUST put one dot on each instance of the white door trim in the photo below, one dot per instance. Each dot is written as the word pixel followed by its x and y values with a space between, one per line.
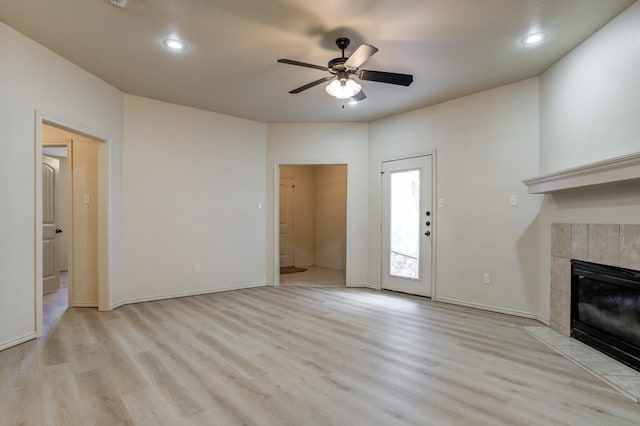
pixel 434 221
pixel 276 212
pixel 104 196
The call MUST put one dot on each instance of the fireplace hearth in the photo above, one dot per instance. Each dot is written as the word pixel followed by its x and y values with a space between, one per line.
pixel 605 309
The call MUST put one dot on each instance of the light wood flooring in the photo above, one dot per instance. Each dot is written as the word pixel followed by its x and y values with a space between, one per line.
pixel 314 276
pixel 298 356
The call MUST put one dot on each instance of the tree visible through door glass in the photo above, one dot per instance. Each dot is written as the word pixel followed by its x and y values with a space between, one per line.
pixel 405 224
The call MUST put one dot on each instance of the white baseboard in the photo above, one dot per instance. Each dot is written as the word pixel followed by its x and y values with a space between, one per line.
pixel 84 305
pixel 17 341
pixel 489 308
pixel 191 293
pixel 545 321
pixel 364 285
pixel 116 305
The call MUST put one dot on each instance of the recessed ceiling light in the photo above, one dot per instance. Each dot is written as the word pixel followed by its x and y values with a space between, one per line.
pixel 534 38
pixel 174 44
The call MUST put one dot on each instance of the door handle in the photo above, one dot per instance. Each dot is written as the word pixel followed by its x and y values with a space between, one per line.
pixel 58 231
pixel 427 233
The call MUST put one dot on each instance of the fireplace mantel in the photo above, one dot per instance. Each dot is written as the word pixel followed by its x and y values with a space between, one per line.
pixel 618 169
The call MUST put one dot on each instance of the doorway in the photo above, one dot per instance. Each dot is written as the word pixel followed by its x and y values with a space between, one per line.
pixel 407 225
pixel 71 217
pixel 312 224
pixel 55 172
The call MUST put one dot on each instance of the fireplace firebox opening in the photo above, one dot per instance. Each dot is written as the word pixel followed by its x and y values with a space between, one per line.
pixel 605 310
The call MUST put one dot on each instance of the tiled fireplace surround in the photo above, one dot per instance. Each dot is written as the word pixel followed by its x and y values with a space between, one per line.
pixel 613 245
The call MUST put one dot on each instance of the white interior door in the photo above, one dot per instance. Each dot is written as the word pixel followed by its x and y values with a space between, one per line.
pixel 407 225
pixel 286 222
pixel 50 186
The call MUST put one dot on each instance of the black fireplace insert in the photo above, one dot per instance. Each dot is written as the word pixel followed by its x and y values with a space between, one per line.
pixel 605 310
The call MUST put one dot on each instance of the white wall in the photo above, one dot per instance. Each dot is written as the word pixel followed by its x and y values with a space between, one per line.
pixel 590 99
pixel 486 144
pixel 304 212
pixel 32 78
pixel 302 143
pixel 193 183
pixel 331 216
pixel 590 109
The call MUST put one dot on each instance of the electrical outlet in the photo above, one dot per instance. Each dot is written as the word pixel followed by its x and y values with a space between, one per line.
pixel 486 279
pixel 196 268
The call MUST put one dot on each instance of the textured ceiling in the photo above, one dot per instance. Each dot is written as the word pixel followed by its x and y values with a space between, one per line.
pixel 452 47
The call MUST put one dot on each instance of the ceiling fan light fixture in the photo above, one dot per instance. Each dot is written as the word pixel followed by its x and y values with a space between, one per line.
pixel 343 88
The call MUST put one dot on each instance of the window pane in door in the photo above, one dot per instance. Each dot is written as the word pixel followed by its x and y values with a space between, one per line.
pixel 405 224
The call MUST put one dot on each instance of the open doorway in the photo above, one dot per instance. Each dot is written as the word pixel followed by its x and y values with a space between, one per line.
pixel 55 220
pixel 72 206
pixel 312 224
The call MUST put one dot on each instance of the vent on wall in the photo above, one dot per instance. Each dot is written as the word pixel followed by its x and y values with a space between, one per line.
pixel 121 3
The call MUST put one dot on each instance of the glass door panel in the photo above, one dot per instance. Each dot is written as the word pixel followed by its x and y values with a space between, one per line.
pixel 405 224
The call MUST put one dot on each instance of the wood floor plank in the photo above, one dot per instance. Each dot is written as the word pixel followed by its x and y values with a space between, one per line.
pixel 298 355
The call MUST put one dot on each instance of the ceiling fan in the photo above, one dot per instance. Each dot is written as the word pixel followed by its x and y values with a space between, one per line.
pixel 342 69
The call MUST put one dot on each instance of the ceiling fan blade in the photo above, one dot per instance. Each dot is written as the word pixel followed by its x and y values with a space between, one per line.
pixel 386 77
pixel 360 56
pixel 360 96
pixel 302 64
pixel 313 83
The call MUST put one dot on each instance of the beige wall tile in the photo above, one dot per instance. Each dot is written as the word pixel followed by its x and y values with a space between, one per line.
pixel 560 307
pixel 561 274
pixel 630 246
pixel 561 240
pixel 580 241
pixel 565 330
pixel 604 244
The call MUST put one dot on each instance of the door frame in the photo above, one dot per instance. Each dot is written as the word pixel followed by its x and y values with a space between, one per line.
pixel 103 175
pixel 276 212
pixel 434 220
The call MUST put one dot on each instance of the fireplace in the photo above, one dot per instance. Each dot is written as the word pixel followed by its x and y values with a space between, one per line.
pixel 605 309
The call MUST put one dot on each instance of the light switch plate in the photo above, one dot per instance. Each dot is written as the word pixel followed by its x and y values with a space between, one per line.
pixel 513 200
pixel 440 202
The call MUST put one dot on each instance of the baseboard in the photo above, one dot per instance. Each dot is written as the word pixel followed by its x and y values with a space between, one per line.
pixel 84 305
pixel 118 304
pixel 191 293
pixel 364 285
pixel 489 308
pixel 18 340
pixel 545 321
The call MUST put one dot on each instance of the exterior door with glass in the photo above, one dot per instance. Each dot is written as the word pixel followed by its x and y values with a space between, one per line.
pixel 407 225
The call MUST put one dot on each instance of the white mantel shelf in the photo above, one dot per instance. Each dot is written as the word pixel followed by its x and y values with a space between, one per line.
pixel 618 169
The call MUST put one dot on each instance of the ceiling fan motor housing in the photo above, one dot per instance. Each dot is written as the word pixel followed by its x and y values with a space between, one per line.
pixel 336 65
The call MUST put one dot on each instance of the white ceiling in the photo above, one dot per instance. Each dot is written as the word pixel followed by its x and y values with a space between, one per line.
pixel 452 47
